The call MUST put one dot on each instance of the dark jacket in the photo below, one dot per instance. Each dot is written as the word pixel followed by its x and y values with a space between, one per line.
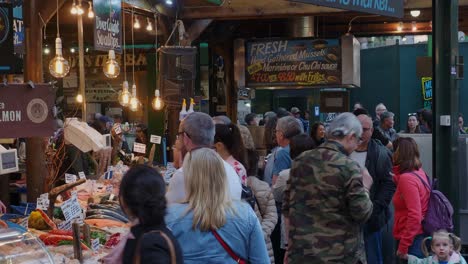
pixel 379 165
pixel 153 247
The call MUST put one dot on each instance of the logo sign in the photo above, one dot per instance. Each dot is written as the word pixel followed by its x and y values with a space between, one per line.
pixel 155 139
pixel 18 26
pixel 139 148
pixel 392 8
pixel 426 83
pixel 25 111
pixel 6 38
pixel 107 31
pixel 293 62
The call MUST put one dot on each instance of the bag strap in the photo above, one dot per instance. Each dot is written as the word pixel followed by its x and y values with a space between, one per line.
pixel 137 258
pixel 425 183
pixel 226 247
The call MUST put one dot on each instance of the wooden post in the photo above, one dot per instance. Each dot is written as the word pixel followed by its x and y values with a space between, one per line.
pixel 35 147
pixel 77 242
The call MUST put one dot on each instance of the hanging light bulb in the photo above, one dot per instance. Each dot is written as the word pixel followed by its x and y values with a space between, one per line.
pixel 137 23
pixel 111 67
pixel 125 95
pixel 157 102
pixel 59 66
pixel 46 50
pixel 134 102
pixel 79 9
pixel 90 11
pixel 79 98
pixel 149 27
pixel 74 10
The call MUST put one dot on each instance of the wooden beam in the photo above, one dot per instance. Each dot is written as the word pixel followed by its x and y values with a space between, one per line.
pixel 263 9
pixel 165 11
pixel 195 30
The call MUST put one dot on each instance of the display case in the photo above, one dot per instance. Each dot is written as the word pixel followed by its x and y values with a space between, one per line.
pixel 22 247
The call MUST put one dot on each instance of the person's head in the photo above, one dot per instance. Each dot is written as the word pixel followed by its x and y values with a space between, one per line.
pixel 367 129
pixel 228 139
pixel 406 154
pixel 196 130
pixel 118 119
pixel 206 185
pixel 268 115
pixel 412 124
pixel 443 244
pixel 296 112
pixel 299 144
pixel 269 136
pixel 222 119
pixel 357 105
pixel 386 120
pixel 306 114
pixel 361 111
pixel 286 128
pixel 460 121
pixel 250 119
pixel 379 109
pixel 142 195
pixel 427 118
pixel 317 131
pixel 282 112
pixel 346 130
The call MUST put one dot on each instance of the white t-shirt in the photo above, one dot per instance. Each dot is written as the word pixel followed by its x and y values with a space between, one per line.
pixel 176 189
pixel 360 157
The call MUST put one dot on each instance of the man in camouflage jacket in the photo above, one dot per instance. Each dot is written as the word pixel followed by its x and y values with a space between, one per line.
pixel 327 200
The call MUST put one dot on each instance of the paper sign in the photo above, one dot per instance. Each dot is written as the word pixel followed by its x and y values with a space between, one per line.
pixel 117 129
pixel 65 225
pixel 44 196
pixel 70 178
pixel 155 139
pixel 95 245
pixel 71 208
pixel 81 175
pixel 42 203
pixel 139 148
pixel 24 222
pixel 74 193
pixel 109 188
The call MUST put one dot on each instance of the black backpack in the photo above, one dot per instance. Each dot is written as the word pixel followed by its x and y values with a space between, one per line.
pixel 248 196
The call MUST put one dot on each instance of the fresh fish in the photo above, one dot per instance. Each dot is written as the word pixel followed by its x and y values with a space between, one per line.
pixel 107 212
pixel 103 217
pixel 116 209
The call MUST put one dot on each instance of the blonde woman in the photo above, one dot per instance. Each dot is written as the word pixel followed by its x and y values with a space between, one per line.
pixel 210 212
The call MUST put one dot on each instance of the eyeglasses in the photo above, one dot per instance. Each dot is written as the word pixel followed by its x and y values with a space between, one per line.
pixel 411 114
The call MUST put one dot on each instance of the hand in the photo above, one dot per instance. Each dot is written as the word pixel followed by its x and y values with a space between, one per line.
pixel 366 179
pixel 285 260
pixel 2 208
pixel 402 255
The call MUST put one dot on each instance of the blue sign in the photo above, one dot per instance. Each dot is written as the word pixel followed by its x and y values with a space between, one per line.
pixel 6 38
pixel 18 27
pixel 392 8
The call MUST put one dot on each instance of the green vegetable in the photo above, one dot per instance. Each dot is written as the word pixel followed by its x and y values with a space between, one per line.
pixel 102 237
pixel 58 214
pixel 65 243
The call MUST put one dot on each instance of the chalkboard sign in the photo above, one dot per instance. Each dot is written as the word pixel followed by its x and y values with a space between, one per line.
pixel 295 62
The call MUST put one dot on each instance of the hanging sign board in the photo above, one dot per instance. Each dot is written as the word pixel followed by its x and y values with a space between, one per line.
pixel 293 62
pixel 392 8
pixel 6 38
pixel 107 27
pixel 18 27
pixel 25 111
pixel 426 83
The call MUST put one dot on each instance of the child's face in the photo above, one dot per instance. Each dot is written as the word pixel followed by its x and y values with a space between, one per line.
pixel 442 248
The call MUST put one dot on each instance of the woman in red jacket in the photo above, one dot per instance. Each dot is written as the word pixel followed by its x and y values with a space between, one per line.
pixel 411 198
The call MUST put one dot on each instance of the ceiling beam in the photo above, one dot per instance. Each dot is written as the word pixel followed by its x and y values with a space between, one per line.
pixel 195 30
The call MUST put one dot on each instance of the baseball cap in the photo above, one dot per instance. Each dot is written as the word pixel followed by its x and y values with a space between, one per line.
pixel 295 110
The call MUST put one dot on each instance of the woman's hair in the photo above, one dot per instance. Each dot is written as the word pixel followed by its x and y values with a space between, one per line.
pixel 143 191
pixel 442 234
pixel 406 154
pixel 270 135
pixel 299 144
pixel 314 130
pixel 207 189
pixel 417 130
pixel 231 137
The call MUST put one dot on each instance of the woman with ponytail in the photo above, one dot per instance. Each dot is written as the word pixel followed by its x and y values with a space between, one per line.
pixel 142 198
pixel 229 145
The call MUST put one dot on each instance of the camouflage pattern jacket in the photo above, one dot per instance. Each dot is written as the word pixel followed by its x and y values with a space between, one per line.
pixel 326 203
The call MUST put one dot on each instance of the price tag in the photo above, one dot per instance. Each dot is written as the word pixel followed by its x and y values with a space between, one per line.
pixel 74 193
pixel 139 148
pixel 155 139
pixel 95 245
pixel 65 225
pixel 71 208
pixel 70 178
pixel 81 175
pixel 24 222
pixel 109 188
pixel 117 129
pixel 44 196
pixel 42 204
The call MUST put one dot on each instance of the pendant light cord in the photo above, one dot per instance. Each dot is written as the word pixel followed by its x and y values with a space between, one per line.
pixel 133 50
pixel 124 47
pixel 156 48
pixel 58 29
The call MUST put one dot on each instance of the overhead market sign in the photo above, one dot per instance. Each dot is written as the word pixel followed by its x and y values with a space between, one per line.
pixel 25 111
pixel 392 8
pixel 107 31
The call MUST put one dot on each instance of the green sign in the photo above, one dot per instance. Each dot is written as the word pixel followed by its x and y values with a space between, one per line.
pixel 426 83
pixel 107 31
pixel 392 8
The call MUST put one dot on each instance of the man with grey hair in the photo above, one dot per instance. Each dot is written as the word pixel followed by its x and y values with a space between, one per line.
pixel 386 126
pixel 327 199
pixel 197 130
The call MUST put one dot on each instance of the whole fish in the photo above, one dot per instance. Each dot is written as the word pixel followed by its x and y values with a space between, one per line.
pixel 103 217
pixel 107 212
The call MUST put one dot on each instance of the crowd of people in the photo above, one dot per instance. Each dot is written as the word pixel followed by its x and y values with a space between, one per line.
pixel 349 192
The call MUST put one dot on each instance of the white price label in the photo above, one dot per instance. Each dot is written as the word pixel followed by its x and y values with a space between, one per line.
pixel 117 129
pixel 24 222
pixel 70 178
pixel 155 139
pixel 95 245
pixel 81 175
pixel 71 208
pixel 139 148
pixel 65 225
pixel 109 188
pixel 42 204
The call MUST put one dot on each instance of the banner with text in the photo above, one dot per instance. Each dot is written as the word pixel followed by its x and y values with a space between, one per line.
pixel 107 31
pixel 295 62
pixel 426 83
pixel 6 38
pixel 393 8
pixel 25 111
